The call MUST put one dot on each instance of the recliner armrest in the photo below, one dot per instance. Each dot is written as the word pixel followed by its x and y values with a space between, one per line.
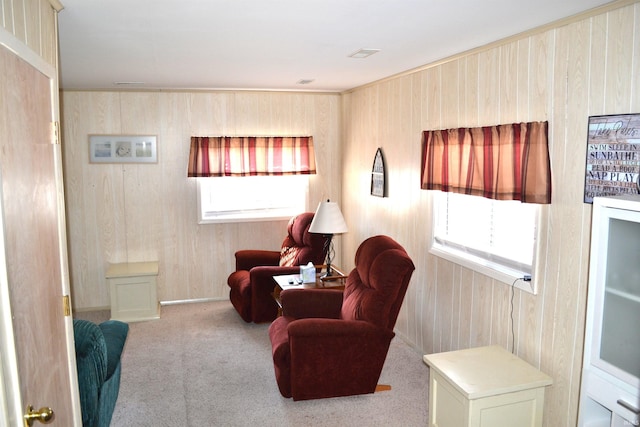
pixel 317 328
pixel 311 303
pixel 115 336
pixel 262 283
pixel 91 365
pixel 268 271
pixel 263 305
pixel 249 258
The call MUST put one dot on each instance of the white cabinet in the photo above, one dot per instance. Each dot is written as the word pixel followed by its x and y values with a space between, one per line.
pixel 610 390
pixel 484 387
pixel 133 291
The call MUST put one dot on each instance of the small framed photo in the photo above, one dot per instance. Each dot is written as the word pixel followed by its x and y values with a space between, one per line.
pixel 123 149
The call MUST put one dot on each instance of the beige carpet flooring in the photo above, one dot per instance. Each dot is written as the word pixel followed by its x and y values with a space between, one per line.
pixel 201 365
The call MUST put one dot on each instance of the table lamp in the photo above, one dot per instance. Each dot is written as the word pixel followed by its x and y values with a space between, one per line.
pixel 328 220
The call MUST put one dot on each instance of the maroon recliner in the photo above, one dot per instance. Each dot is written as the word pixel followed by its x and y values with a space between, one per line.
pixel 329 343
pixel 252 283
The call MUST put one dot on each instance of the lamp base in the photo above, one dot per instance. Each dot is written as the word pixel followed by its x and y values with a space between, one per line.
pixel 328 247
pixel 326 273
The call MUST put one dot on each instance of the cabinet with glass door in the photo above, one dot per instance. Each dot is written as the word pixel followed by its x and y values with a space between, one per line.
pixel 610 390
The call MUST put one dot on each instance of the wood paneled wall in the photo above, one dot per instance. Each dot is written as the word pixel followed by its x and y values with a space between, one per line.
pixel 562 74
pixel 33 23
pixel 144 212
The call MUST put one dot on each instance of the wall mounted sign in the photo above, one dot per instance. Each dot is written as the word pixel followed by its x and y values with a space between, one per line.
pixel 613 156
pixel 123 149
pixel 378 176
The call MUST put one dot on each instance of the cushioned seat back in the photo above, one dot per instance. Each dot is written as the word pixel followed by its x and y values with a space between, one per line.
pixel 376 286
pixel 300 246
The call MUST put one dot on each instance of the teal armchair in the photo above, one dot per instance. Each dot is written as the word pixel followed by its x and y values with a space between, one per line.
pixel 98 352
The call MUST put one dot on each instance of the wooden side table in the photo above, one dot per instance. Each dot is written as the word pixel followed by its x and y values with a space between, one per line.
pixel 292 281
pixel 484 387
pixel 133 290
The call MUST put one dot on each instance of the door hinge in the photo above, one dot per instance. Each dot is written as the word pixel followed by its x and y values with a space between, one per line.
pixel 66 305
pixel 55 133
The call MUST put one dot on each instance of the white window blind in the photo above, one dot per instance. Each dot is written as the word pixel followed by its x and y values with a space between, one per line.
pixel 251 198
pixel 496 235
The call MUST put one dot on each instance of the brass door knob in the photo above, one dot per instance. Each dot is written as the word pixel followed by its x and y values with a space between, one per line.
pixel 44 415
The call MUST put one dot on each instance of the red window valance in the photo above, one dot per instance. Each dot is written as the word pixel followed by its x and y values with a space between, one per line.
pixel 504 162
pixel 212 156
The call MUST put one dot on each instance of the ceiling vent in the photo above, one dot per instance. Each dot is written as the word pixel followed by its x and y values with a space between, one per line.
pixel 363 53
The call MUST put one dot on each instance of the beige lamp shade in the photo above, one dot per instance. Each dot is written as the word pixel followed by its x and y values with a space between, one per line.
pixel 328 219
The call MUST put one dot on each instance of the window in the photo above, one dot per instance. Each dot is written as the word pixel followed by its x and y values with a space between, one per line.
pixel 494 237
pixel 251 198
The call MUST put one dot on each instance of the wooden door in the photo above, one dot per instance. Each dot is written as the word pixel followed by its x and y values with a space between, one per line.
pixel 31 217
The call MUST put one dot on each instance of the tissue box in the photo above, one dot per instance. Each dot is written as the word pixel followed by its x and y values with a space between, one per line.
pixel 308 273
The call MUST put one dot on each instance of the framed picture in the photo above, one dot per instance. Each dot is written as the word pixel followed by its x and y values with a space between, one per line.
pixel 613 156
pixel 123 149
pixel 378 175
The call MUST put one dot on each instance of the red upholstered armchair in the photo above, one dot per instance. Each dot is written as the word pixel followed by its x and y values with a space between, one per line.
pixel 252 283
pixel 329 343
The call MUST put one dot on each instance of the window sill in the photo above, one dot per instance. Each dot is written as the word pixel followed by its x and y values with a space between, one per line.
pixel 498 272
pixel 244 218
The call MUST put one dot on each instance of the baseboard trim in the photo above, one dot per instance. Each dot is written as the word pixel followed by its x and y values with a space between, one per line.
pixel 192 301
pixel 173 302
pixel 87 309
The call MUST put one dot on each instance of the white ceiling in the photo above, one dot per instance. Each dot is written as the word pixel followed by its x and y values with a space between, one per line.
pixel 273 44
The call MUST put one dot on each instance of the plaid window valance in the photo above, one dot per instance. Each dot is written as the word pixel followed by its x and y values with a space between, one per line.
pixel 504 162
pixel 212 156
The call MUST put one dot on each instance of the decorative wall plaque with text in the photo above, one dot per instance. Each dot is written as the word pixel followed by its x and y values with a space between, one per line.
pixel 613 156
